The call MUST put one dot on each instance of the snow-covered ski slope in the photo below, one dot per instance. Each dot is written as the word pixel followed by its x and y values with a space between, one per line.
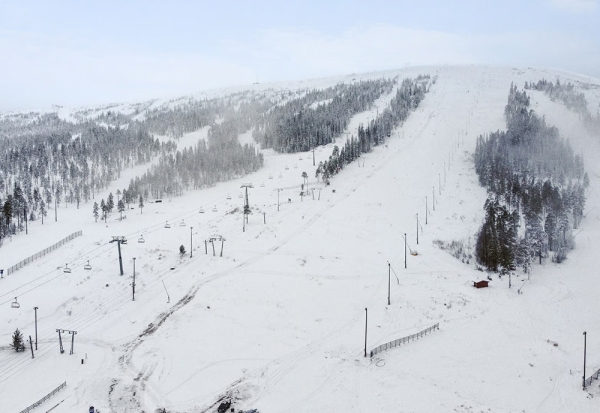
pixel 278 322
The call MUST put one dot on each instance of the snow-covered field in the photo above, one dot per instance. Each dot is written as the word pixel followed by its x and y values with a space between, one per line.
pixel 278 322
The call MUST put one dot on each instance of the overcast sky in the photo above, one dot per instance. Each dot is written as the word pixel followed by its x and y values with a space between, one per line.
pixel 83 52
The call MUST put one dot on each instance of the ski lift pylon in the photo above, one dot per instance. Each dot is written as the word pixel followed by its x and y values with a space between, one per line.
pixel 67 269
pixel 15 304
pixel 87 266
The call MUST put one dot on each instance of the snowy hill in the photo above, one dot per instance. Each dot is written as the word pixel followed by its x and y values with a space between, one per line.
pixel 278 322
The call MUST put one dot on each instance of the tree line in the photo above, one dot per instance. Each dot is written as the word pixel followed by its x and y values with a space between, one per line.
pixel 533 177
pixel 47 162
pixel 407 98
pixel 318 117
pixel 571 98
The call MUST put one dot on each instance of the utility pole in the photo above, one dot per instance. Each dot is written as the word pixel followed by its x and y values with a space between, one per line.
pixel 417 229
pixel 168 298
pixel 389 278
pixel 31 347
pixel 119 240
pixel 191 242
pixel 584 354
pixel 264 217
pixel 278 191
pixel 35 309
pixel 133 285
pixel 366 321
pixel 405 250
pixel 246 205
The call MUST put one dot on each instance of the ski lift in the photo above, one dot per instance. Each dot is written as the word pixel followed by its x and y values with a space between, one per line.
pixel 67 269
pixel 201 210
pixel 15 304
pixel 228 196
pixel 262 184
pixel 141 239
pixel 182 223
pixel 87 266
pixel 270 176
pixel 215 209
pixel 167 225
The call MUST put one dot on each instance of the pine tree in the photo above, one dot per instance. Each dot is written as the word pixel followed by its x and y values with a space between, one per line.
pixel 110 203
pixel 182 250
pixel 104 209
pixel 141 205
pixel 121 207
pixel 17 341
pixel 95 210
pixel 43 210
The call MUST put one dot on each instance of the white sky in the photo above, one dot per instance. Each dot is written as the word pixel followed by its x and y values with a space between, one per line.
pixel 76 52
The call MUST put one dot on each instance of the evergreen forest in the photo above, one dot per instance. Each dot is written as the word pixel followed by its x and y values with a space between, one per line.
pixel 536 191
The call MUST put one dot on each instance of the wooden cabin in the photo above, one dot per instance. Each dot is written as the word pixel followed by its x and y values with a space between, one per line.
pixel 480 284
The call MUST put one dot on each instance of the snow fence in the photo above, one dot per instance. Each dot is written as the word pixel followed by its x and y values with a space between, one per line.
pixel 46 397
pixel 26 261
pixel 403 340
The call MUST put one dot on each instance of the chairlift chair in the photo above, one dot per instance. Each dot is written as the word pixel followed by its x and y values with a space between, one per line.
pixel 240 195
pixel 67 269
pixel 182 223
pixel 15 304
pixel 262 184
pixel 270 176
pixel 201 210
pixel 280 175
pixel 286 168
pixel 295 166
pixel 228 196
pixel 87 266
pixel 167 225
pixel 215 209
pixel 141 239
